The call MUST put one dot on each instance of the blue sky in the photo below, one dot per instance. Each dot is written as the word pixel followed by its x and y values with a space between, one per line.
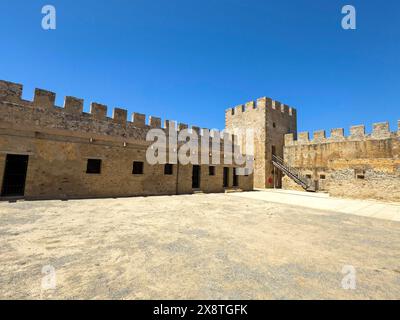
pixel 190 60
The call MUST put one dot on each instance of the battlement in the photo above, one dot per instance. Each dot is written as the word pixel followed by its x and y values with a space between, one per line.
pixel 260 104
pixel 10 91
pixel 380 131
pixel 43 112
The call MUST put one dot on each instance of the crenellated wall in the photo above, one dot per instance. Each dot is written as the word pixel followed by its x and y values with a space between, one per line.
pixel 60 140
pixel 359 165
pixel 270 120
pixel 380 131
pixel 42 111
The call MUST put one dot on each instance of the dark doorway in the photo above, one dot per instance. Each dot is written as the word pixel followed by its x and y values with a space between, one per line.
pixel 235 178
pixel 14 175
pixel 226 177
pixel 196 177
pixel 277 176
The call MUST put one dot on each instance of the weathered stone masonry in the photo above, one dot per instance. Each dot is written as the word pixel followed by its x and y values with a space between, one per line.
pixel 62 147
pixel 59 142
pixel 270 120
pixel 358 166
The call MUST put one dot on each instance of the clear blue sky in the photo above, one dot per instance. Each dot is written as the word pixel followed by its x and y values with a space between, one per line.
pixel 189 60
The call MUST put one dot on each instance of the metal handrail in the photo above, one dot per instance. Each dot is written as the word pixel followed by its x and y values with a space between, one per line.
pixel 294 173
pixel 281 161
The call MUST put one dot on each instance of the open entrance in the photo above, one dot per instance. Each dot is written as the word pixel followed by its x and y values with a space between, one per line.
pixel 276 174
pixel 196 177
pixel 226 177
pixel 14 175
pixel 235 178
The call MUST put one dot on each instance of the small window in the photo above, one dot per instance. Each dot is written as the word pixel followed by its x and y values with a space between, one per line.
pixel 273 124
pixel 93 166
pixel 308 176
pixel 211 171
pixel 137 167
pixel 322 176
pixel 168 169
pixel 360 174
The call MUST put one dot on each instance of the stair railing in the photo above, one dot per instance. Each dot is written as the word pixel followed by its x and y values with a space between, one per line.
pixel 294 173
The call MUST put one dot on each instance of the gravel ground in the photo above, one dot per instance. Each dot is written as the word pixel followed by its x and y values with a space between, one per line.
pixel 215 246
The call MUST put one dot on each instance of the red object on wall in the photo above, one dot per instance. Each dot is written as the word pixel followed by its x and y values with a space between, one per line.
pixel 270 180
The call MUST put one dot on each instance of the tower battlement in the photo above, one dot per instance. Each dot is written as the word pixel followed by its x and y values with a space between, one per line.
pixel 260 104
pixel 270 120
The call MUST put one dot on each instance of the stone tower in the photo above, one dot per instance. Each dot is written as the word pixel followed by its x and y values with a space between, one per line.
pixel 270 120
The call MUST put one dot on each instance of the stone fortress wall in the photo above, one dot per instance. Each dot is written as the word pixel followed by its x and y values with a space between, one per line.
pixel 358 166
pixel 59 142
pixel 270 120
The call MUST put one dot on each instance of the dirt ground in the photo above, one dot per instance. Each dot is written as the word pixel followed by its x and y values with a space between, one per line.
pixel 216 246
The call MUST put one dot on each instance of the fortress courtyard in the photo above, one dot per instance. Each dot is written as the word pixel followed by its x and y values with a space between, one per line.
pixel 251 245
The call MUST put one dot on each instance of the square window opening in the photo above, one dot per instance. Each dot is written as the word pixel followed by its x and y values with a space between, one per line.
pixel 137 167
pixel 211 171
pixel 93 166
pixel 360 174
pixel 168 169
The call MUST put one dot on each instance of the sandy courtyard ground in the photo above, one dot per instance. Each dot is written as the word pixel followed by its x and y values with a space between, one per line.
pixel 217 246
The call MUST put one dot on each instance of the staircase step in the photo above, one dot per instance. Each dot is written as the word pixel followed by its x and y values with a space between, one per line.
pixel 230 190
